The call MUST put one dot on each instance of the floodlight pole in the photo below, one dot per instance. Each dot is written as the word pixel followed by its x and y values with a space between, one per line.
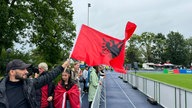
pixel 89 5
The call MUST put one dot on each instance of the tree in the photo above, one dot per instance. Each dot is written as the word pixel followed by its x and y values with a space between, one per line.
pixel 176 48
pixel 13 21
pixel 53 29
pixel 159 48
pixel 189 51
pixel 146 41
pixel 133 53
pixel 47 24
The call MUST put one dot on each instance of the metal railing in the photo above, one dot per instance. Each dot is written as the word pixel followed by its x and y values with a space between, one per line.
pixel 166 95
pixel 100 95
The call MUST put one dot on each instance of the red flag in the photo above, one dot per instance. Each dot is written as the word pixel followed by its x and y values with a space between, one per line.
pixel 95 48
pixel 60 95
pixel 130 28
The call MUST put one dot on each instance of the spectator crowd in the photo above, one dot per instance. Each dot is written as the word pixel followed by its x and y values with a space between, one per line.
pixel 21 88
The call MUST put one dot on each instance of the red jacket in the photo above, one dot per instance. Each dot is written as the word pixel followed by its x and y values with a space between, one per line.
pixel 44 96
pixel 61 93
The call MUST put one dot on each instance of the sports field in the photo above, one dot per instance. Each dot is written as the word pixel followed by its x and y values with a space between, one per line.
pixel 180 80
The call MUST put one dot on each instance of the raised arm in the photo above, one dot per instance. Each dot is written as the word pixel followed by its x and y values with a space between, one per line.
pixel 47 78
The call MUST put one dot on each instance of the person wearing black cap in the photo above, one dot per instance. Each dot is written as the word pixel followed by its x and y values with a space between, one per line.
pixel 18 91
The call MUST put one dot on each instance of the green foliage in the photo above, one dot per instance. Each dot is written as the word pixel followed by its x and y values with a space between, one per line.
pixel 56 80
pixel 158 48
pixel 53 28
pixel 13 21
pixel 133 53
pixel 176 48
pixel 146 45
pixel 5 57
pixel 189 51
pixel 47 24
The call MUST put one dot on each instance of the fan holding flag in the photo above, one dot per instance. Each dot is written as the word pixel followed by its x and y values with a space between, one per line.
pixel 96 48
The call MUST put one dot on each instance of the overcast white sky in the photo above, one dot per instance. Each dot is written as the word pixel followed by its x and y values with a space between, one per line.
pixel 157 16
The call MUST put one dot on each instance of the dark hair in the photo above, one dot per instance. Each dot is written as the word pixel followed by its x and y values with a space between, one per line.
pixel 68 71
pixel 96 68
pixel 71 82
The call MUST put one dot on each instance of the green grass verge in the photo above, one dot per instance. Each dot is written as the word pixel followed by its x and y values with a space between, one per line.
pixel 179 80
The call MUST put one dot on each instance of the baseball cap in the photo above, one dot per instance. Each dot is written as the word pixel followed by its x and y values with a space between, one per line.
pixel 16 64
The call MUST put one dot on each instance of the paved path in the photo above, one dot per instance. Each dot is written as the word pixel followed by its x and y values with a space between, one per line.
pixel 122 95
pixel 85 103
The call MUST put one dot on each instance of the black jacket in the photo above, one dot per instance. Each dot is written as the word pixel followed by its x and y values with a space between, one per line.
pixel 30 86
pixel 50 91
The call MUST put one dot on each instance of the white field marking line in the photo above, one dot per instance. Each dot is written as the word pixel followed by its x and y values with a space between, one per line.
pixel 124 93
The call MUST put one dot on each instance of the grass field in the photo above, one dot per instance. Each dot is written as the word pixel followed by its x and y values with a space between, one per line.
pixel 180 80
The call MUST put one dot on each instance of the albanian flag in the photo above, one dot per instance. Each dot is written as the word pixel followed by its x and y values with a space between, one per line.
pixel 96 48
pixel 60 96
